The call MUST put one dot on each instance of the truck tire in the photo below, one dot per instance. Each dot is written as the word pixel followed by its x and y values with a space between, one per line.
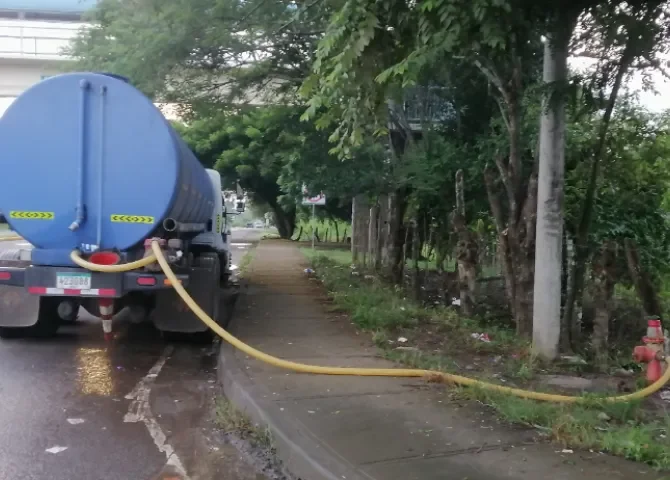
pixel 211 262
pixel 12 332
pixel 48 322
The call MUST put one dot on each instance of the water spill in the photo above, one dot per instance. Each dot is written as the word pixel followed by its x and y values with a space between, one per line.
pixel 94 369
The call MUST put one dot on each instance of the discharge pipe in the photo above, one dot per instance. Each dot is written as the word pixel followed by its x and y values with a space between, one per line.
pixel 171 225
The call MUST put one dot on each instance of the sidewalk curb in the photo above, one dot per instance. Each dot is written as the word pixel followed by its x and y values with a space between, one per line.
pixel 302 454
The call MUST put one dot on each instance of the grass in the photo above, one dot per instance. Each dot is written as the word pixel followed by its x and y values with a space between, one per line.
pixel 622 429
pixel 618 428
pixel 232 420
pixel 309 225
pixel 245 261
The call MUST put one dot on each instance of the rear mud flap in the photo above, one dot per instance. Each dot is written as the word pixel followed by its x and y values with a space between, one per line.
pixel 18 308
pixel 173 315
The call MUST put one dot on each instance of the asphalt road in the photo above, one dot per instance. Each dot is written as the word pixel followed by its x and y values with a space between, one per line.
pixel 75 408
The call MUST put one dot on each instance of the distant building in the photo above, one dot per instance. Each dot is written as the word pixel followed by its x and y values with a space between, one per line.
pixel 55 10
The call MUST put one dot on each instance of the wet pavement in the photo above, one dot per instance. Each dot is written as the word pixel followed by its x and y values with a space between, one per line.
pixel 73 407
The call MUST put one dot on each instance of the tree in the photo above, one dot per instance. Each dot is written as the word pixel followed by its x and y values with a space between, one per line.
pixel 251 146
pixel 500 39
pixel 629 220
pixel 204 53
pixel 619 36
pixel 273 154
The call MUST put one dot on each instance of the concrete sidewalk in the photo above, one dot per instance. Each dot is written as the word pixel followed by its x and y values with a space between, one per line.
pixel 328 427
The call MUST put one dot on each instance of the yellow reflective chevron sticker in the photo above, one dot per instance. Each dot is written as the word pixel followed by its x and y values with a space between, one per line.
pixel 21 215
pixel 132 219
pixel 218 223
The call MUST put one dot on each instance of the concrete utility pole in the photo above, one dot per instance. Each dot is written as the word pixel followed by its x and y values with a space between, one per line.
pixel 549 233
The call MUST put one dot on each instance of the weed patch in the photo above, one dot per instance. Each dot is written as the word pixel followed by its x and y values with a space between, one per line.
pixel 440 339
pixel 245 261
pixel 617 428
pixel 232 420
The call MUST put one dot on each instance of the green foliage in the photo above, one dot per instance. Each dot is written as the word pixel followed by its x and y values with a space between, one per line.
pixel 273 154
pixel 626 432
pixel 633 184
pixel 372 49
pixel 202 53
pixel 333 227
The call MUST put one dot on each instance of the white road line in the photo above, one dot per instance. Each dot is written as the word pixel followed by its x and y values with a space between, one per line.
pixel 140 411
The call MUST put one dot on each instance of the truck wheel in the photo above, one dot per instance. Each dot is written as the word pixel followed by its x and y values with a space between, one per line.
pixel 12 332
pixel 48 320
pixel 211 262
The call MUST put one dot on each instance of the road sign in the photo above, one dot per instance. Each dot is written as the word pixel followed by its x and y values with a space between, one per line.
pixel 307 200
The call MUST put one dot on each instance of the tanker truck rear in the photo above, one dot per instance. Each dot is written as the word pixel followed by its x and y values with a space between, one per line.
pixel 92 167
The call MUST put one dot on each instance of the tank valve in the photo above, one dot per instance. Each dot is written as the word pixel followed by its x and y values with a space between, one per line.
pixel 653 351
pixel 106 313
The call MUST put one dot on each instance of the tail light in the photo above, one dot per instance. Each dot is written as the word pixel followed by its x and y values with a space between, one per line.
pixel 105 258
pixel 146 281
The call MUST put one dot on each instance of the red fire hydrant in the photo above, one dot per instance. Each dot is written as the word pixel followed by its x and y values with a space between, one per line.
pixel 653 351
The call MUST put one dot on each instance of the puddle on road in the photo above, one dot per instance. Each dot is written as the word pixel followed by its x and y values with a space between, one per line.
pixel 94 371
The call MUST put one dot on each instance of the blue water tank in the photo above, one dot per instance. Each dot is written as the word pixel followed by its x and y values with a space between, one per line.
pixel 92 145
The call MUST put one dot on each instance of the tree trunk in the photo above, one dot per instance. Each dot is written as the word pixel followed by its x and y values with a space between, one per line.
pixel 566 323
pixel 373 225
pixel 551 178
pixel 416 247
pixel 467 251
pixel 442 288
pixel 299 234
pixel 643 284
pixel 503 250
pixel 365 231
pixel 337 232
pixel 604 269
pixel 382 231
pixel 285 221
pixel 393 261
pixel 357 208
pixel 359 228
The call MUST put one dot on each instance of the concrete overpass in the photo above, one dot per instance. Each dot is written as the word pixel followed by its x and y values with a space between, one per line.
pixel 32 35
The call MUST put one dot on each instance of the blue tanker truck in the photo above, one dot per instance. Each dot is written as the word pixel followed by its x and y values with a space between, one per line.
pixel 92 170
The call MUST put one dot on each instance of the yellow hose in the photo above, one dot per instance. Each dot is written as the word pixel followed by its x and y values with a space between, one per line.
pixel 10 238
pixel 364 372
pixel 380 372
pixel 124 267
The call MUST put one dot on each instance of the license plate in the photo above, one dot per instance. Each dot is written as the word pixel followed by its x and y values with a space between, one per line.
pixel 73 281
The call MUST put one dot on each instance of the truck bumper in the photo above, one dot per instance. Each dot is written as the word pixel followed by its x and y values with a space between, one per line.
pixel 40 280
